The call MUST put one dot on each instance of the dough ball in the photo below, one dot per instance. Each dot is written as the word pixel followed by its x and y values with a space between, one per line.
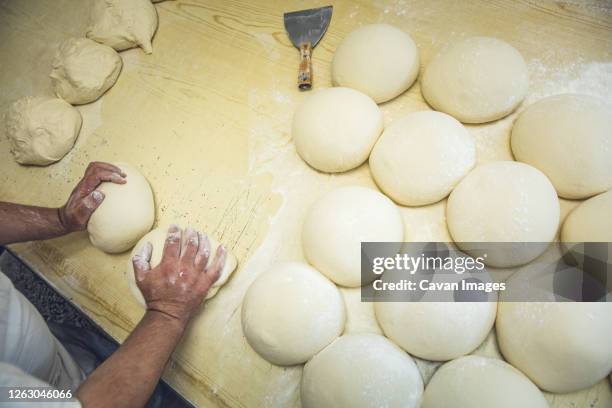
pixel 561 346
pixel 361 371
pixel 123 24
pixel 41 130
pixel 476 80
pixel 591 221
pixel 334 129
pixel 569 138
pixel 125 215
pixel 157 238
pixel 475 382
pixel 337 224
pixel 503 202
pixel 379 60
pixel 83 70
pixel 420 158
pixel 437 331
pixel 292 312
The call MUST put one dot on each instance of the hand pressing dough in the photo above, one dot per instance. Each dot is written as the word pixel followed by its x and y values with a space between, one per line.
pixel 476 80
pixel 420 158
pixel 569 138
pixel 157 238
pixel 503 202
pixel 437 331
pixel 292 312
pixel 83 70
pixel 125 215
pixel 41 130
pixel 379 60
pixel 334 129
pixel 123 24
pixel 337 224
pixel 561 346
pixel 476 382
pixel 361 371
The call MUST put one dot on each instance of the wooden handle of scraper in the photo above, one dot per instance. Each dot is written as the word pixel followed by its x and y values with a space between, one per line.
pixel 305 73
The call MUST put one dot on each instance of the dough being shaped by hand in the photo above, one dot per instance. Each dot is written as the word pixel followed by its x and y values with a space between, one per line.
pixel 123 24
pixel 41 130
pixel 157 238
pixel 83 70
pixel 125 215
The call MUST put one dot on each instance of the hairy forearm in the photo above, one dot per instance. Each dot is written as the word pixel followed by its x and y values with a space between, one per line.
pixel 135 368
pixel 19 223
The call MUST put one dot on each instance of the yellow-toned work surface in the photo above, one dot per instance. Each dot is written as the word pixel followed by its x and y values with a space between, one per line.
pixel 207 118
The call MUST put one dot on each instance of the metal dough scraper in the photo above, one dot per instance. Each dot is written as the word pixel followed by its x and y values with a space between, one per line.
pixel 305 29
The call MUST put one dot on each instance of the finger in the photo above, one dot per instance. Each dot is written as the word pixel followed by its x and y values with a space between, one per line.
pixel 201 259
pixel 214 270
pixel 141 261
pixel 172 246
pixel 88 205
pixel 190 248
pixel 92 181
pixel 94 166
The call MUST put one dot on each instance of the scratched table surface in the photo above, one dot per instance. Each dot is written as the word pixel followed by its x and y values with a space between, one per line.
pixel 207 119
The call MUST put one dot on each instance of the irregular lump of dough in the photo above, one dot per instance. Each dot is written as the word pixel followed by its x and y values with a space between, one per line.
pixel 476 80
pixel 475 382
pixel 123 24
pixel 561 346
pixel 157 238
pixel 334 129
pixel 420 158
pixel 41 130
pixel 437 331
pixel 292 312
pixel 125 215
pixel 379 60
pixel 337 224
pixel 569 138
pixel 361 371
pixel 503 202
pixel 83 70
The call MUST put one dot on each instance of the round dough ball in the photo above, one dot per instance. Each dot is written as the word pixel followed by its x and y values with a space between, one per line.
pixel 361 370
pixel 292 312
pixel 569 138
pixel 125 215
pixel 157 238
pixel 437 331
pixel 379 60
pixel 337 224
pixel 503 202
pixel 41 130
pixel 123 24
pixel 334 129
pixel 561 346
pixel 475 382
pixel 420 158
pixel 591 221
pixel 476 80
pixel 83 70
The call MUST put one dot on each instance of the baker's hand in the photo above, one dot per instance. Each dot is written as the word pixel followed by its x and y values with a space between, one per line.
pixel 179 284
pixel 84 199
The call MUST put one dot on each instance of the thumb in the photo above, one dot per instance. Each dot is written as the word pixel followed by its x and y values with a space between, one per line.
pixel 92 201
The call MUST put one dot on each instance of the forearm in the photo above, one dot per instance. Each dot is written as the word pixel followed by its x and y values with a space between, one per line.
pixel 135 368
pixel 19 223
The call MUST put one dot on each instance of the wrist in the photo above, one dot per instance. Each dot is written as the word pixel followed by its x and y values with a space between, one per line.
pixel 169 321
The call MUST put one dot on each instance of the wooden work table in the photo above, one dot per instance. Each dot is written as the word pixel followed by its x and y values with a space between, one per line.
pixel 207 119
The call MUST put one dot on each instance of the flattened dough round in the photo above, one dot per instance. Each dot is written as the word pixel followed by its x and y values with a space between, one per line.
pixel 503 202
pixel 379 60
pixel 125 215
pixel 83 70
pixel 561 346
pixel 41 130
pixel 157 238
pixel 569 138
pixel 420 158
pixel 361 371
pixel 339 221
pixel 476 80
pixel 334 129
pixel 292 312
pixel 476 382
